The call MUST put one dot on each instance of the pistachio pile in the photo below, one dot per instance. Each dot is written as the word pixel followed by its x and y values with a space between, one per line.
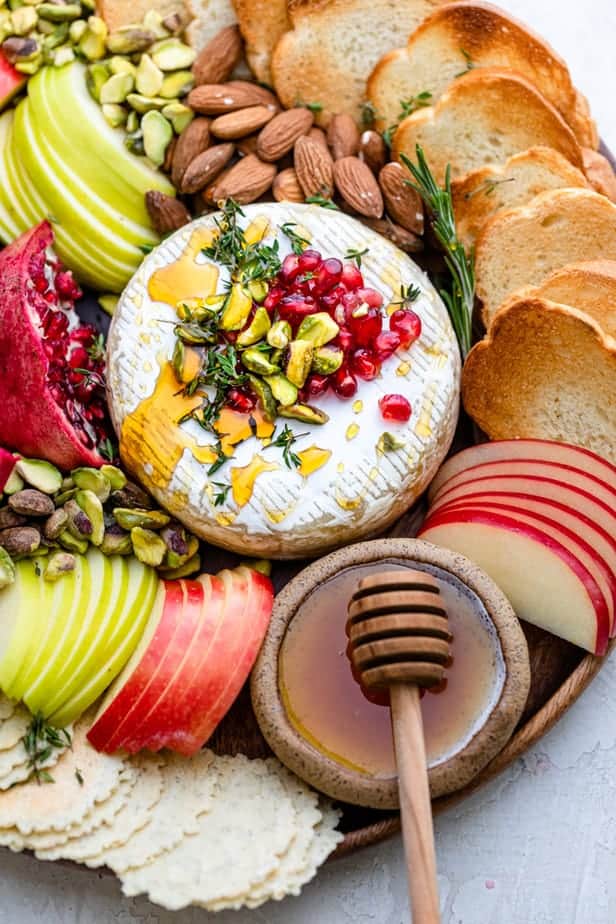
pixel 43 513
pixel 139 74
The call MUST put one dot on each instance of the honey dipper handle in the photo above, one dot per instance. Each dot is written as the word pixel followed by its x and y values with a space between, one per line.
pixel 415 805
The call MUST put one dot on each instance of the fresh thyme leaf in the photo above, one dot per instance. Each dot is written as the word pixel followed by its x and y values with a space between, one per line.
pixel 260 262
pixel 460 301
pixel 356 255
pixel 313 107
pixel 298 243
pixel 388 135
pixel 220 496
pixel 79 776
pixel 230 241
pixel 407 108
pixel 96 350
pixel 285 441
pixel 221 458
pixel 107 450
pixel 91 377
pixel 146 248
pixel 408 295
pixel 323 201
pixel 39 742
pixel 368 114
pixel 488 187
pixel 470 64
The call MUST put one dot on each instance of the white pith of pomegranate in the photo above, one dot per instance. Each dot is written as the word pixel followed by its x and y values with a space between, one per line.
pixel 50 409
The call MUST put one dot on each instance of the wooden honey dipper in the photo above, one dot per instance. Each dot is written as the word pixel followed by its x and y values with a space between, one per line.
pixel 399 640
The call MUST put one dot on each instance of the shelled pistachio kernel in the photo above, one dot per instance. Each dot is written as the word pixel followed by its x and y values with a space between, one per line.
pixel 7 569
pixel 157 135
pixel 171 54
pixel 23 20
pixel 72 543
pixel 59 564
pixel 115 115
pixel 92 479
pixel 149 78
pixel 131 517
pixel 129 40
pixel 92 43
pixel 148 546
pixel 190 567
pixel 176 84
pixel 40 474
pixel 93 509
pixel 115 476
pixel 179 115
pixel 116 88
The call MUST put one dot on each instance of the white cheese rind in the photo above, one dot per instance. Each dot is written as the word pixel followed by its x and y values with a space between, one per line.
pixel 290 516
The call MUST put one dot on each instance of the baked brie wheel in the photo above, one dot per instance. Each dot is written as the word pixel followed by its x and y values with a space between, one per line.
pixel 312 473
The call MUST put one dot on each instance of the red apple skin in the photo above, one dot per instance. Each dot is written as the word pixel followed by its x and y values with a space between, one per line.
pixel 537 486
pixel 506 524
pixel 248 611
pixel 120 705
pixel 173 710
pixel 588 555
pixel 130 737
pixel 539 450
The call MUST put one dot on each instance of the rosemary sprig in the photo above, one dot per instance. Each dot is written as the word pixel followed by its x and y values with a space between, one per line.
pixel 488 187
pixel 246 262
pixel 323 201
pixel 356 255
pixel 469 64
pixel 285 441
pixel 221 458
pixel 298 243
pixel 461 299
pixel 40 740
pixel 221 494
pixel 407 108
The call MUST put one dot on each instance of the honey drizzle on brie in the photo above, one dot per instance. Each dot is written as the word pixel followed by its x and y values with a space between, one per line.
pixel 185 278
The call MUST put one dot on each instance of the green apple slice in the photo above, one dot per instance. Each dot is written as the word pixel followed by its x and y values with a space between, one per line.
pixel 95 635
pixel 20 610
pixel 9 229
pixel 142 596
pixel 61 620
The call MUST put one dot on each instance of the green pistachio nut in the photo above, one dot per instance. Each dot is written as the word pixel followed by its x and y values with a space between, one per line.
pixel 116 542
pixel 63 55
pixel 153 21
pixel 30 67
pixel 39 474
pixel 190 567
pixel 72 543
pixel 149 78
pixel 131 517
pixel 256 330
pixel 148 546
pixel 176 84
pixel 115 115
pixel 326 360
pixel 318 329
pixel 304 412
pixel 89 5
pixel 65 496
pixel 55 524
pixel 92 479
pixel 117 88
pixel 14 483
pixel 237 309
pixel 299 361
pixel 265 396
pixel 256 361
pixel 284 391
pixel 157 135
pixel 23 20
pixel 143 104
pixel 279 335
pixel 132 123
pixel 194 309
pixel 179 115
pixel 7 569
pixel 129 40
pixel 96 77
pixel 115 476
pixel 58 36
pixel 59 564
pixel 92 42
pixel 134 143
pixel 76 30
pixel 121 65
pixel 93 509
pixel 171 54
pixel 56 12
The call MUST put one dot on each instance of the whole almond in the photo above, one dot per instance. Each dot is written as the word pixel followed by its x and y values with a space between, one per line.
pixel 193 141
pixel 402 203
pixel 357 186
pixel 166 213
pixel 247 145
pixel 343 136
pixel 218 98
pixel 241 123
pixel 208 193
pixel 264 96
pixel 286 187
pixel 314 167
pixel 318 135
pixel 373 151
pixel 169 155
pixel 245 181
pixel 215 63
pixel 405 240
pixel 277 138
pixel 206 167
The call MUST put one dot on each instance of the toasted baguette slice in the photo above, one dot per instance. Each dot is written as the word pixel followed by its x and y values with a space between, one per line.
pixel 461 33
pixel 520 247
pixel 329 53
pixel 262 23
pixel 478 195
pixel 545 371
pixel 483 118
pixel 118 13
pixel 589 287
pixel 209 17
pixel 599 173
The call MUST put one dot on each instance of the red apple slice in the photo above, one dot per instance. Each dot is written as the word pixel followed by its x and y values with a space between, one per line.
pixel 539 450
pixel 547 489
pixel 575 533
pixel 249 601
pixel 134 679
pixel 529 468
pixel 545 583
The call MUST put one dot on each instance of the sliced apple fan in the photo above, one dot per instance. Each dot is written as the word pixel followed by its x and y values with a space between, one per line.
pixel 154 818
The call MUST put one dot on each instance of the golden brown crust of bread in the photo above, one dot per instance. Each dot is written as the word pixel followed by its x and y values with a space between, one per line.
pixel 438 49
pixel 262 23
pixel 545 371
pixel 599 173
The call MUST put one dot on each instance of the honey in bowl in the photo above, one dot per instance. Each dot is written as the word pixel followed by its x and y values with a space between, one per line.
pixel 327 707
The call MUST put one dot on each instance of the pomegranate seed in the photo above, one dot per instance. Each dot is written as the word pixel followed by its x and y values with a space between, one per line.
pixel 78 358
pixel 316 385
pixel 309 261
pixel 344 383
pixel 66 286
pixel 290 268
pixel 240 401
pixel 344 340
pixel 395 407
pixel 386 344
pixel 407 325
pixel 293 308
pixel 41 285
pixel 351 277
pixel 332 299
pixel 365 325
pixel 56 325
pixel 273 297
pixel 328 276
pixel 365 365
pixel 85 334
pixel 371 297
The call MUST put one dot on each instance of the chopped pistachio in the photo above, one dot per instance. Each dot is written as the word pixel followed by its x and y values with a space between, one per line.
pixel 40 474
pixel 132 123
pixel 299 361
pixel 305 413
pixel 92 42
pixel 179 115
pixel 7 569
pixel 129 40
pixel 116 542
pixel 256 330
pixel 148 546
pixel 327 360
pixel 59 12
pixel 30 67
pixel 76 30
pixel 92 479
pixel 97 76
pixel 63 55
pixel 116 116
pixel 59 564
pixel 117 88
pixel 143 104
pixel 279 335
pixel 256 361
pixel 134 143
pixel 115 477
pixel 149 78
pixel 129 518
pixel 191 567
pixel 72 543
pixel 23 20
pixel 153 21
pixel 284 392
pixel 171 54
pixel 58 36
pixel 318 329
pixel 157 135
pixel 176 84
pixel 121 65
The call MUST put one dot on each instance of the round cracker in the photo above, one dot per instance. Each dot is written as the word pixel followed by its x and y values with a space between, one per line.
pixel 13 729
pixel 15 766
pixel 33 807
pixel 188 792
pixel 135 814
pixel 239 841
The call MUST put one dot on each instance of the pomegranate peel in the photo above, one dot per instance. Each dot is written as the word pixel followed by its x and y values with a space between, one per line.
pixel 7 464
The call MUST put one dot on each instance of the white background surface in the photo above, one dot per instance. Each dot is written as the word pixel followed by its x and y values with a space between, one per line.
pixel 538 846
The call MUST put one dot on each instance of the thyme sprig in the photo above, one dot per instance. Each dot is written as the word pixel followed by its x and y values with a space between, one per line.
pixel 298 243
pixel 407 108
pixel 246 262
pixel 323 201
pixel 469 64
pixel 408 295
pixel 285 441
pixel 356 255
pixel 220 496
pixel 40 741
pixel 460 301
